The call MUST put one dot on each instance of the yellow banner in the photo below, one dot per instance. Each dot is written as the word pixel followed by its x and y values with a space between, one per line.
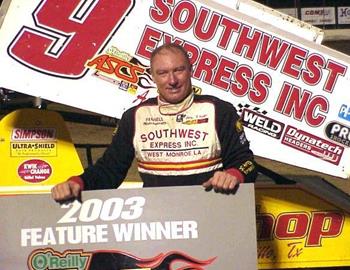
pixel 296 228
pixel 36 152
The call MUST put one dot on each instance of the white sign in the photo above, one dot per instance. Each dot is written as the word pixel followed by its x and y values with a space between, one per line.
pixel 318 15
pixel 344 15
pixel 96 57
pixel 137 228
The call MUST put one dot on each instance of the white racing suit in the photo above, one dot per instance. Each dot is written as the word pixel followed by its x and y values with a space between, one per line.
pixel 182 144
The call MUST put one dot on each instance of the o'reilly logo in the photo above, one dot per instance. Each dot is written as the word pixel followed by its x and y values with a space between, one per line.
pixel 338 132
pixel 48 259
pixel 262 124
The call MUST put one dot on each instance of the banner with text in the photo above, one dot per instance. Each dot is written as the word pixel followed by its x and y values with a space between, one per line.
pixel 36 152
pixel 291 92
pixel 153 228
pixel 299 229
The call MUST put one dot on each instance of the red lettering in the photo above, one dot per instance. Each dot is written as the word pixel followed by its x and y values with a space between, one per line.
pixel 297 102
pixel 148 42
pixel 313 72
pixel 272 52
pixel 206 66
pixel 82 35
pixel 291 226
pixel 300 225
pixel 259 93
pixel 324 225
pixel 248 42
pixel 294 61
pixel 225 70
pixel 241 86
pixel 229 26
pixel 335 69
pixel 171 39
pixel 293 100
pixel 193 52
pixel 184 16
pixel 161 11
pixel 212 25
pixel 312 117
pixel 265 223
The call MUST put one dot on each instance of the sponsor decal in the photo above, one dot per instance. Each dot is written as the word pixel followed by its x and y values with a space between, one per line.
pixel 239 126
pixel 33 149
pixel 261 123
pixel 154 121
pixel 344 112
pixel 180 118
pixel 34 171
pixel 242 107
pixel 312 145
pixel 343 15
pixel 37 142
pixel 195 121
pixel 123 86
pixel 33 134
pixel 247 167
pixel 122 69
pixel 301 230
pixel 197 90
pixel 188 120
pixel 49 259
pixel 338 132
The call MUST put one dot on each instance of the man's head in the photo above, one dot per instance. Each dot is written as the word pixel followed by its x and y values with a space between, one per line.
pixel 171 71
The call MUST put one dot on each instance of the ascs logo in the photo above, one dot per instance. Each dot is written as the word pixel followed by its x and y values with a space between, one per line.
pixel 344 112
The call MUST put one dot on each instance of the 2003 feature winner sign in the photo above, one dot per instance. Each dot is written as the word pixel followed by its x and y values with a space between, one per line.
pixel 95 55
pixel 151 228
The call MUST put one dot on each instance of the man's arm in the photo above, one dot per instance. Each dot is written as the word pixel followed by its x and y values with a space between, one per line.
pixel 238 159
pixel 109 171
pixel 237 156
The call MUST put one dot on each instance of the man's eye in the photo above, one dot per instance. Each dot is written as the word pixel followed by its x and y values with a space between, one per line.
pixel 180 69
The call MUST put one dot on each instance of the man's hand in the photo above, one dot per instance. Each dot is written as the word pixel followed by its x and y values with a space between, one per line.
pixel 222 182
pixel 66 191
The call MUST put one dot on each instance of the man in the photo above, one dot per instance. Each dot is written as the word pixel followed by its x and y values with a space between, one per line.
pixel 178 138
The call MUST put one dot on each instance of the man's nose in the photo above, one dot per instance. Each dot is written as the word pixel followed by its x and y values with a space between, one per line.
pixel 172 78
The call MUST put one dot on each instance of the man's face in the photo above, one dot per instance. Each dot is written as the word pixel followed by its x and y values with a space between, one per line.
pixel 172 74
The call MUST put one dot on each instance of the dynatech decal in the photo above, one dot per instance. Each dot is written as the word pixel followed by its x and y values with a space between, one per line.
pixel 312 145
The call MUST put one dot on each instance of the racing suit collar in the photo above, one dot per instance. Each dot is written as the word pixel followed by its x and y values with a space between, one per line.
pixel 166 108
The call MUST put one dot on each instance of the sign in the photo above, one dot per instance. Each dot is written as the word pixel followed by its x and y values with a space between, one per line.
pixel 95 56
pixel 150 228
pixel 297 228
pixel 343 15
pixel 318 15
pixel 36 152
